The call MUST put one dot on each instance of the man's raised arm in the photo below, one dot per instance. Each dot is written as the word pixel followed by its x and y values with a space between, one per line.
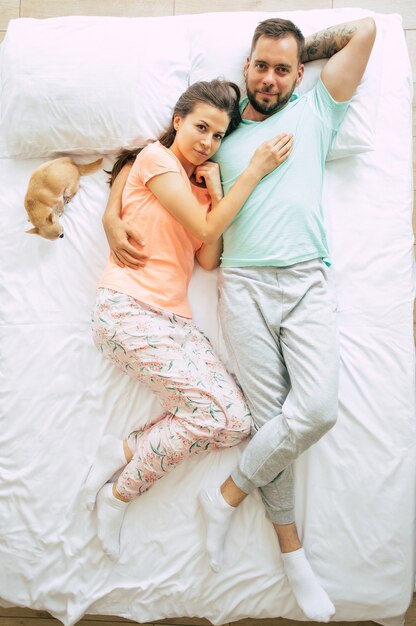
pixel 348 47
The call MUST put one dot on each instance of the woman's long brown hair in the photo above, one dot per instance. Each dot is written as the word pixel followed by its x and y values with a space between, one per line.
pixel 221 94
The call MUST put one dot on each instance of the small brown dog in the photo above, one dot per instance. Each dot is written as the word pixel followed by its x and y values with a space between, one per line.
pixel 51 186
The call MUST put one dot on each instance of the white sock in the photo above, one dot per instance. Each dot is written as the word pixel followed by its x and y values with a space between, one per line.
pixel 311 597
pixel 110 515
pixel 217 515
pixel 110 458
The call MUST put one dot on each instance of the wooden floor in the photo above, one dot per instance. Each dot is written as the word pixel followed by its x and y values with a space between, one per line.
pixel 27 617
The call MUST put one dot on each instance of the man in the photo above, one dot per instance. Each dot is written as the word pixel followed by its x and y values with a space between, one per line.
pixel 276 303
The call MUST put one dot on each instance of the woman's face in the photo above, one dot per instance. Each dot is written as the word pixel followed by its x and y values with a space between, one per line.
pixel 198 135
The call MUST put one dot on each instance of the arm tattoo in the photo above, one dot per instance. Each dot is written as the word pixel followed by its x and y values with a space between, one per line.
pixel 328 42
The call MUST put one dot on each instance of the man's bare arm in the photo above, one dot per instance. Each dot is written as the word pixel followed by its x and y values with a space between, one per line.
pixel 119 233
pixel 325 43
pixel 348 47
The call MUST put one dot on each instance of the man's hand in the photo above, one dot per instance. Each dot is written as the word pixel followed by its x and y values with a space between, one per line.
pixel 124 253
pixel 120 234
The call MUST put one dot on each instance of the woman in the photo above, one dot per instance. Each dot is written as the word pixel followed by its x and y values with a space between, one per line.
pixel 142 320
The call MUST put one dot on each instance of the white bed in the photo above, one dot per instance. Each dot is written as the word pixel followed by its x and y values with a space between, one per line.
pixel 355 489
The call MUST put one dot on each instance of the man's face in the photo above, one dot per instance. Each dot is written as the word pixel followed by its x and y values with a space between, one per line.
pixel 272 73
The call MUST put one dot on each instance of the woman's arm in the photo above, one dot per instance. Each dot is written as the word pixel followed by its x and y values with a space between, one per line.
pixel 209 254
pixel 119 232
pixel 173 193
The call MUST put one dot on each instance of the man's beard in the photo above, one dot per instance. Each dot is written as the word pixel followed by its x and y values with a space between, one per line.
pixel 269 109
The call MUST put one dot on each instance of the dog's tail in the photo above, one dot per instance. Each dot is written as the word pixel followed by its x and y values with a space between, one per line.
pixel 89 168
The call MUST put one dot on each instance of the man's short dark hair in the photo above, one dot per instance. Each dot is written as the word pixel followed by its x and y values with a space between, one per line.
pixel 277 28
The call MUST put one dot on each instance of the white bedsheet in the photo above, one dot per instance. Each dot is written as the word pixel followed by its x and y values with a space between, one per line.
pixel 355 489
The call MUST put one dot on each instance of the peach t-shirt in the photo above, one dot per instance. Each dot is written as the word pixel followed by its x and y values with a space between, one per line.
pixel 163 281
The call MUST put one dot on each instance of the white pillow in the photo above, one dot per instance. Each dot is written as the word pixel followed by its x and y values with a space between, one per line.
pixel 89 84
pixel 97 84
pixel 220 44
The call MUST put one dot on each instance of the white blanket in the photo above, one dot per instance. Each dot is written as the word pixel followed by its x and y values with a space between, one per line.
pixel 355 489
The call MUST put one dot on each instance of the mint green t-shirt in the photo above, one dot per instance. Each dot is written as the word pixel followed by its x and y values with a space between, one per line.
pixel 282 221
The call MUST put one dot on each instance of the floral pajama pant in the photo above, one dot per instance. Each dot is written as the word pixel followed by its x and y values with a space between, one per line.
pixel 204 409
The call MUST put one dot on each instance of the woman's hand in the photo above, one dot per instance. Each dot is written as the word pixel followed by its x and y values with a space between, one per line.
pixel 118 235
pixel 271 154
pixel 210 172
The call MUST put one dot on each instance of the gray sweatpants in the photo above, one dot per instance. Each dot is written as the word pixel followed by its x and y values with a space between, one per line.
pixel 280 329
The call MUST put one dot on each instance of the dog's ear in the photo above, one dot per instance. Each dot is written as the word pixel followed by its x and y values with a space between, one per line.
pixel 33 231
